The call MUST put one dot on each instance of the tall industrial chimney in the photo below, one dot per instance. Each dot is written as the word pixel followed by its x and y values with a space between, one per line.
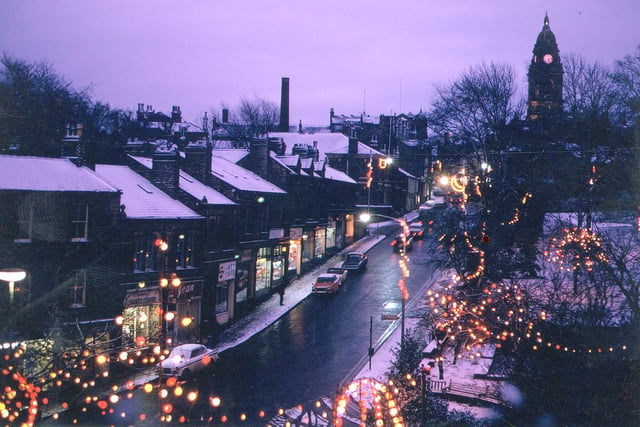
pixel 284 106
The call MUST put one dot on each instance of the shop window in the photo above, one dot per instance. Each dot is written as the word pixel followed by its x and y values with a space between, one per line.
pixel 185 250
pixel 222 298
pixel 294 250
pixel 141 322
pixel 307 248
pixel 319 248
pixel 264 252
pixel 331 235
pixel 242 283
pixel 278 268
pixel 80 222
pixel 77 290
pixel 263 274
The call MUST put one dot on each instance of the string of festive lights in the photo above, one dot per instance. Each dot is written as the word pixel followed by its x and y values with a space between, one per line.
pixel 577 248
pixel 371 397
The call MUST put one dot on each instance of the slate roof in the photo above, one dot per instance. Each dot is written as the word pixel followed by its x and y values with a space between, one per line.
pixel 231 154
pixel 199 190
pixel 191 185
pixel 336 175
pixel 328 142
pixel 48 174
pixel 241 178
pixel 142 199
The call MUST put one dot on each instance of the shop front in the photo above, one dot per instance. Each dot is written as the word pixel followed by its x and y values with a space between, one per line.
pixel 261 269
pixel 295 252
pixel 141 317
pixel 184 305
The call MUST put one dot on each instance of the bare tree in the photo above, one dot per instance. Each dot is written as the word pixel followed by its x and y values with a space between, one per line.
pixel 35 106
pixel 589 92
pixel 253 119
pixel 476 107
pixel 591 97
pixel 626 75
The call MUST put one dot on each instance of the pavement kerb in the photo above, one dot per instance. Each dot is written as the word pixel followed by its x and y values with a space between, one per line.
pixel 359 368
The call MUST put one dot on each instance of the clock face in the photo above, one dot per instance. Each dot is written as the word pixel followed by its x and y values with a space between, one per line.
pixel 547 58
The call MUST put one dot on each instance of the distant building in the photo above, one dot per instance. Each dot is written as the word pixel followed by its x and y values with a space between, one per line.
pixel 544 102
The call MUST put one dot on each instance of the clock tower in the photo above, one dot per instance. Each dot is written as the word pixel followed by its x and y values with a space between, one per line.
pixel 544 103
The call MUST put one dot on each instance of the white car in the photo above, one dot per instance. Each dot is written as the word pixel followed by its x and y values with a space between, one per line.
pixel 340 272
pixel 187 359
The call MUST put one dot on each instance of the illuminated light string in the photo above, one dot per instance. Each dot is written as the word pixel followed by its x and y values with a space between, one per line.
pixel 371 397
pixel 496 315
pixel 576 248
pixel 21 394
pixel 84 380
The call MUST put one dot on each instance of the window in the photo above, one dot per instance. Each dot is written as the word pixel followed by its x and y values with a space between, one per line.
pixel 222 297
pixel 25 225
pixel 331 235
pixel 77 290
pixel 319 244
pixel 263 273
pixel 147 256
pixel 80 221
pixel 184 250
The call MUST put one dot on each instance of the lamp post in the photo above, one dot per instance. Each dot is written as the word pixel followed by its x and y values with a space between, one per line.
pixel 11 276
pixel 366 217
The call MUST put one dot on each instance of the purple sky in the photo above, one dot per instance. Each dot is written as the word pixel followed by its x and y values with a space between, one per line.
pixel 352 55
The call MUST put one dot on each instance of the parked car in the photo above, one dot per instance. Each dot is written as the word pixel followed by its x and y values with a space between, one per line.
pixel 355 261
pixel 340 272
pixel 402 242
pixel 187 359
pixel 326 284
pixel 416 229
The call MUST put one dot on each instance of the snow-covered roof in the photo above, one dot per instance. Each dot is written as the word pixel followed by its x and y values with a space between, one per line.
pixel 306 163
pixel 290 160
pixel 191 185
pixel 48 174
pixel 232 154
pixel 327 142
pixel 199 190
pixel 144 161
pixel 143 200
pixel 285 161
pixel 240 177
pixel 336 175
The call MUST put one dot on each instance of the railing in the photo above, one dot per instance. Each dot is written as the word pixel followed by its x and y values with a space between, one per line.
pixel 488 393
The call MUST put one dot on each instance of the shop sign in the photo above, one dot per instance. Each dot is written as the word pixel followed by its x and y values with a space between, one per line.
pixel 276 233
pixel 142 297
pixel 186 291
pixel 226 271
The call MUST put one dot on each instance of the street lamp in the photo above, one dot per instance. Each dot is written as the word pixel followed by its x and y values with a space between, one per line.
pixel 366 217
pixel 11 276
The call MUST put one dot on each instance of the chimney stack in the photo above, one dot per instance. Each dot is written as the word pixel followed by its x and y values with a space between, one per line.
pixel 225 116
pixel 284 106
pixel 165 171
